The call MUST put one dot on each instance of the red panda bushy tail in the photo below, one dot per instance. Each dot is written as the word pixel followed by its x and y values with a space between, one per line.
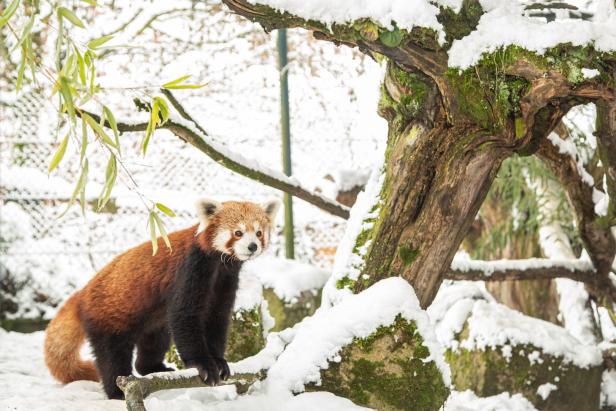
pixel 63 340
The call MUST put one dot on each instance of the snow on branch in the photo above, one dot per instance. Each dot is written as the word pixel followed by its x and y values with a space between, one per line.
pixel 596 236
pixel 525 269
pixel 136 389
pixel 187 128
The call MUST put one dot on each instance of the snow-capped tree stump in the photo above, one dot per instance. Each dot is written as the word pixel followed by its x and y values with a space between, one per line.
pixel 136 389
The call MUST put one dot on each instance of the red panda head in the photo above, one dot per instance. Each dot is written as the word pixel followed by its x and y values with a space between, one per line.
pixel 236 228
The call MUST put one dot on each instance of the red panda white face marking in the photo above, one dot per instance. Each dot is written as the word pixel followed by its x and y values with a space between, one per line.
pixel 238 229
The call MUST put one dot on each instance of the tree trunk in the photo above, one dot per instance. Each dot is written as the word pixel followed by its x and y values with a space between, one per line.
pixel 436 178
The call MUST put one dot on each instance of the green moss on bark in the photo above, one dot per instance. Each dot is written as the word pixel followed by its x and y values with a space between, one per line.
pixel 245 335
pixel 288 314
pixel 490 372
pixel 388 370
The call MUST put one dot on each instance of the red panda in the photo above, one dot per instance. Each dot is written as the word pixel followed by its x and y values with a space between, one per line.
pixel 143 300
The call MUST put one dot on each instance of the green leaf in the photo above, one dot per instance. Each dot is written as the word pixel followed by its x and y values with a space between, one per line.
pixel 154 121
pixel 98 130
pixel 59 154
pixel 63 12
pixel 185 86
pixel 90 2
pixel 82 68
pixel 65 90
pixel 392 38
pixel 25 33
pixel 165 209
pixel 176 81
pixel 175 84
pixel 79 188
pixel 162 230
pixel 164 109
pixel 84 141
pixel 96 43
pixel 8 12
pixel 152 224
pixel 110 177
pixel 22 68
pixel 114 125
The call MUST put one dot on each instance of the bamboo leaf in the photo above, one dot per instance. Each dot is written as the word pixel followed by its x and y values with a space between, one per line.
pixel 90 2
pixel 63 12
pixel 8 12
pixel 21 69
pixel 110 177
pixel 185 86
pixel 114 125
pixel 96 43
pixel 84 141
pixel 59 154
pixel 162 230
pixel 165 209
pixel 175 84
pixel 152 224
pixel 82 68
pixel 164 109
pixel 98 130
pixel 79 188
pixel 176 81
pixel 25 33
pixel 154 121
pixel 65 90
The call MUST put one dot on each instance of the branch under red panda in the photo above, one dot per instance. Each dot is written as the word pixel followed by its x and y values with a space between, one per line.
pixel 136 389
pixel 192 133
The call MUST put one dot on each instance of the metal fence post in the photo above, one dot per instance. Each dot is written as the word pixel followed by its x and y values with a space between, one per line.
pixel 286 140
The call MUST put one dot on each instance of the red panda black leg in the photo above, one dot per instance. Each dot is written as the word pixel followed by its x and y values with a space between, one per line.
pixel 151 349
pixel 217 319
pixel 192 300
pixel 114 355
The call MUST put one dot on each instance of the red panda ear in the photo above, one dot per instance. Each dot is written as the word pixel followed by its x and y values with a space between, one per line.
pixel 271 208
pixel 206 208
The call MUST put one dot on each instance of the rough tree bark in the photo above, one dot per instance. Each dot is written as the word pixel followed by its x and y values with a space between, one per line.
pixel 449 131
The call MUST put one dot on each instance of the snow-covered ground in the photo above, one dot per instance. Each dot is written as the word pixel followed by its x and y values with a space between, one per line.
pixel 26 385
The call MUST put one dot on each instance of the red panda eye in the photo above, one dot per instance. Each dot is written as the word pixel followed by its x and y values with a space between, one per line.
pixel 259 233
pixel 238 233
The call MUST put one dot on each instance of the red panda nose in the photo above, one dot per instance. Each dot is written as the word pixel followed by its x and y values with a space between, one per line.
pixel 252 247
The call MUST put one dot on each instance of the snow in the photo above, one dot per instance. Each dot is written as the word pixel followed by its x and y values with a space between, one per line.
pixel 468 401
pixel 492 325
pixel 504 23
pixel 287 278
pixel 544 390
pixel 28 386
pixel 462 263
pixel 451 308
pixel 555 244
pixel 294 358
pixel 347 263
pixel 421 13
pixel 608 388
pixel 320 337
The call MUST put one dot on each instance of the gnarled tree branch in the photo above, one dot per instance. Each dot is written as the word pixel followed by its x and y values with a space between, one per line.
pixel 190 131
pixel 508 270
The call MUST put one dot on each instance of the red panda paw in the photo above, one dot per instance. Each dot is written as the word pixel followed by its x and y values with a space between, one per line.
pixel 225 372
pixel 208 370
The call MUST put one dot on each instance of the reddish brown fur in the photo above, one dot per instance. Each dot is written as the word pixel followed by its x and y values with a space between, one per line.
pixel 131 284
